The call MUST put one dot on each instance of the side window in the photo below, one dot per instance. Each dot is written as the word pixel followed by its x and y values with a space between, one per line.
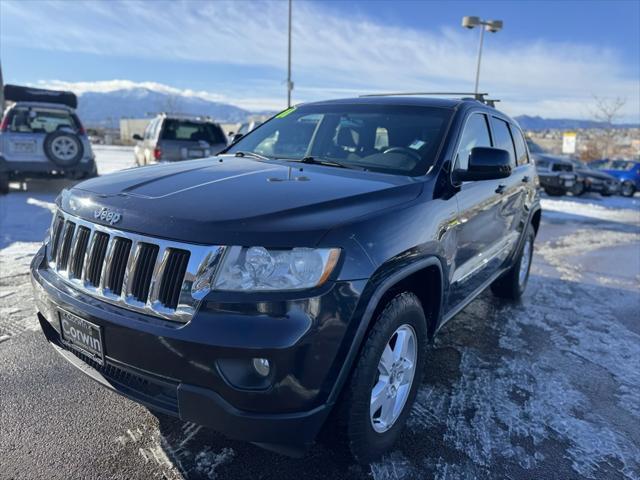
pixel 521 150
pixel 147 131
pixel 155 129
pixel 503 138
pixel 476 134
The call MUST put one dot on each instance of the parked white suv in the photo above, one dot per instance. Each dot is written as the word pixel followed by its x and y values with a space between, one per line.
pixel 41 137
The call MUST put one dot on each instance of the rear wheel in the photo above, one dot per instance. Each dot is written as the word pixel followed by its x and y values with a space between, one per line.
pixel 382 389
pixel 627 189
pixel 512 284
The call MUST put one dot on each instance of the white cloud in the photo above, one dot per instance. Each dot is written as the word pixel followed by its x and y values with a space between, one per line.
pixel 331 54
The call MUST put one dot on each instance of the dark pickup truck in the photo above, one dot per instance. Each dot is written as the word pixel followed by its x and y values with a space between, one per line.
pixel 294 281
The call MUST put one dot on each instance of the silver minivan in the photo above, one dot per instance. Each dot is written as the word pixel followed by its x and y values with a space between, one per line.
pixel 172 138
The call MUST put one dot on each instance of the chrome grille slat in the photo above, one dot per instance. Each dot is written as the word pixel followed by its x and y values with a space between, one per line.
pixel 78 252
pixel 64 250
pixel 137 272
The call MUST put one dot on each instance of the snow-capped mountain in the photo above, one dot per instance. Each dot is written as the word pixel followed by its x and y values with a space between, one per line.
pixel 107 108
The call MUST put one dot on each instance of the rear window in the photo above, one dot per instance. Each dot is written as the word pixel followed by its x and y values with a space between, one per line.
pixel 192 131
pixel 33 120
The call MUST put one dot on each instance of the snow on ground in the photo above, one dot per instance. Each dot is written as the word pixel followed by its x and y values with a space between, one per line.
pixel 546 388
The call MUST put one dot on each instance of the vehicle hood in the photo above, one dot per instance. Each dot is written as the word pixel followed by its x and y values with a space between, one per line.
pixel 600 175
pixel 238 201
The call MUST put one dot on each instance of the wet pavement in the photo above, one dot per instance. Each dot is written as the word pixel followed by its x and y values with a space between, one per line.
pixel 546 388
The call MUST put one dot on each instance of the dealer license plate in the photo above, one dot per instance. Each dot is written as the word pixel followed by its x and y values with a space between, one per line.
pixel 82 335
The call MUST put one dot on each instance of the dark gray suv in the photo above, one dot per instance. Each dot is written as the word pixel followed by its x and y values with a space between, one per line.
pixel 171 138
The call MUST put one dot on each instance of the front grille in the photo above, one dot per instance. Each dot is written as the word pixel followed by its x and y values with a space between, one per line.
pixel 118 264
pixel 144 269
pixel 141 273
pixel 79 252
pixel 62 260
pixel 174 270
pixel 98 252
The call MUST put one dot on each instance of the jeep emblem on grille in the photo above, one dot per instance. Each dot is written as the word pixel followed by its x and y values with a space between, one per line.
pixel 107 215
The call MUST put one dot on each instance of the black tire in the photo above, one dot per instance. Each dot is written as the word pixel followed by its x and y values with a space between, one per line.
pixel 627 189
pixel 4 184
pixel 577 189
pixel 53 148
pixel 555 192
pixel 353 420
pixel 605 194
pixel 510 285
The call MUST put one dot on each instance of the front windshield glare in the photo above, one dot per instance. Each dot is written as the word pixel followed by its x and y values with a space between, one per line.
pixel 392 139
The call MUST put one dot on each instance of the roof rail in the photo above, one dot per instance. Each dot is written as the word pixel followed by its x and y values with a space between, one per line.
pixel 186 116
pixel 480 97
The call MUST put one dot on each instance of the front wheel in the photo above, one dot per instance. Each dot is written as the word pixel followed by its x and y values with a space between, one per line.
pixel 378 399
pixel 627 189
pixel 512 284
pixel 578 189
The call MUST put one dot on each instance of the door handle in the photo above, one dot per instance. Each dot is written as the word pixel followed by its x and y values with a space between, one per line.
pixel 501 188
pixel 525 179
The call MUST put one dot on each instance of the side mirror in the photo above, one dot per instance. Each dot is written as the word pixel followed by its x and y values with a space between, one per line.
pixel 485 163
pixel 137 137
pixel 236 137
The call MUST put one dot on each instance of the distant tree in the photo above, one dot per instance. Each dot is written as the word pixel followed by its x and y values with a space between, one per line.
pixel 606 111
pixel 171 104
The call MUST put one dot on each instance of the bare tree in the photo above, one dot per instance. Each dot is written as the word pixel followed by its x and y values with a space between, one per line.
pixel 607 111
pixel 171 104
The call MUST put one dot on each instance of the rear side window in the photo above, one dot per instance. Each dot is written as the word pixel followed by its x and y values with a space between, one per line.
pixel 521 150
pixel 503 138
pixel 192 131
pixel 31 120
pixel 476 134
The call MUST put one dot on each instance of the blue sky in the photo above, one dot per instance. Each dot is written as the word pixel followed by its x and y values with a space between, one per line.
pixel 550 59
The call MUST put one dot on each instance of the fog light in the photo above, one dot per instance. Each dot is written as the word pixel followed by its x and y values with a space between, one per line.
pixel 261 365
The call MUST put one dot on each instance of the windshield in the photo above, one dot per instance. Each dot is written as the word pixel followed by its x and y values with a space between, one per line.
pixel 387 138
pixel 192 131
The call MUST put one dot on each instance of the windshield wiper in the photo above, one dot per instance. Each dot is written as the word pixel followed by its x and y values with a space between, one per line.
pixel 317 161
pixel 243 153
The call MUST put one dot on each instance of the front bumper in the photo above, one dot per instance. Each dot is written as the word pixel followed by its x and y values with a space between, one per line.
pixel 176 368
pixel 564 181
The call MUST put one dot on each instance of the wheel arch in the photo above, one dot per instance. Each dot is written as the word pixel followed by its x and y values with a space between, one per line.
pixel 407 278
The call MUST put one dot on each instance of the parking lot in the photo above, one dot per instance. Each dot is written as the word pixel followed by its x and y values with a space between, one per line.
pixel 547 388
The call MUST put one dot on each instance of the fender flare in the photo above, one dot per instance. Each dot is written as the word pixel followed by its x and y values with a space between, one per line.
pixel 367 317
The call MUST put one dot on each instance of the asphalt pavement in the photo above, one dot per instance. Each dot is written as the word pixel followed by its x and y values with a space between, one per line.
pixel 548 388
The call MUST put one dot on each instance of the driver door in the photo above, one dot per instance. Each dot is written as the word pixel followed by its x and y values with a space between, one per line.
pixel 480 230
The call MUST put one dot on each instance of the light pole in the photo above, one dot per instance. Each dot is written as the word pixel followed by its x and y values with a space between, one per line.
pixel 490 25
pixel 289 82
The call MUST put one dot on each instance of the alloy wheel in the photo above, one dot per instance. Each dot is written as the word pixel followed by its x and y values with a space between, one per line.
pixel 396 371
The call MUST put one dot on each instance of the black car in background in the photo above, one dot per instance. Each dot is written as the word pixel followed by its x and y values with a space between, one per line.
pixel 556 175
pixel 562 174
pixel 591 180
pixel 294 280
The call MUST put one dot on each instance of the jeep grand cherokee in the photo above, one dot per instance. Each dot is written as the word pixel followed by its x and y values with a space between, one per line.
pixel 296 279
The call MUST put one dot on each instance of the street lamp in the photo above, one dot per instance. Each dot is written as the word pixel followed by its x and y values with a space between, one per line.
pixel 490 25
pixel 289 82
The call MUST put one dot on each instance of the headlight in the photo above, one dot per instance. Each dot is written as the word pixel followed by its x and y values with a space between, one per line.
pixel 260 269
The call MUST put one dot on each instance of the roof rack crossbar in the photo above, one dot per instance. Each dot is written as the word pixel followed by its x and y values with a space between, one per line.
pixel 481 97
